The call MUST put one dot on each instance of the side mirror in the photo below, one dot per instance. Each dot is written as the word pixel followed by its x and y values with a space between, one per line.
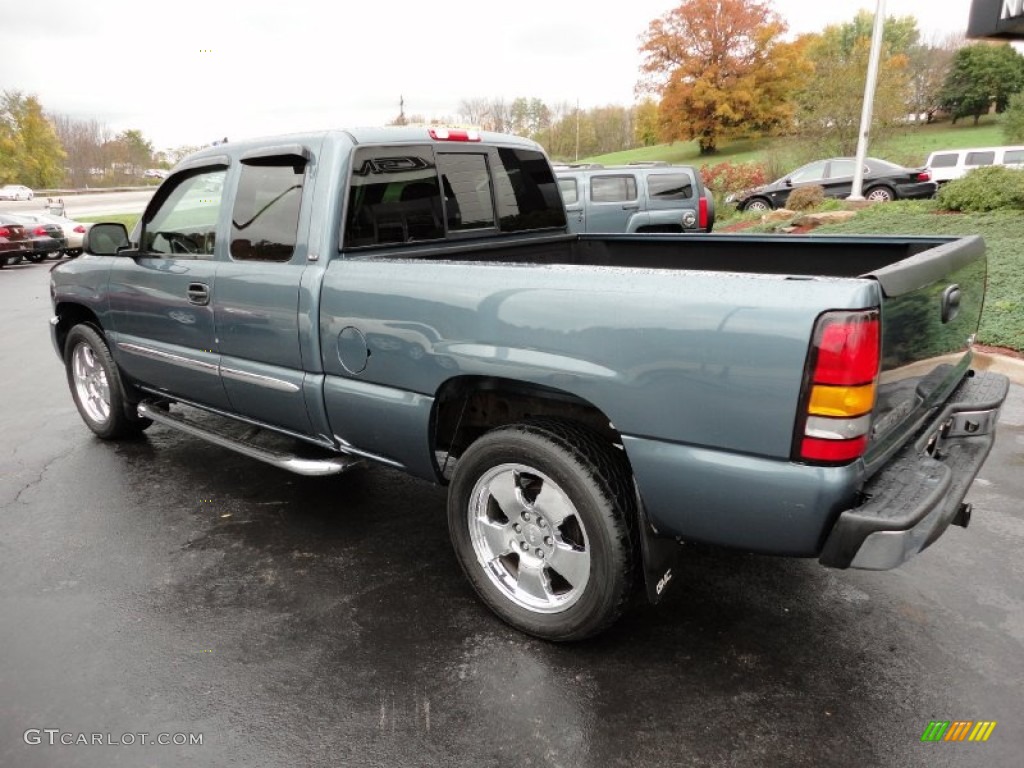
pixel 789 182
pixel 105 239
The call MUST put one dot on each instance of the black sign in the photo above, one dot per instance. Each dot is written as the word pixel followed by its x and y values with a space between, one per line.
pixel 997 19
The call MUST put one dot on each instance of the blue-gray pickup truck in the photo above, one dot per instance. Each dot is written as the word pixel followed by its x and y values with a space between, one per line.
pixel 412 297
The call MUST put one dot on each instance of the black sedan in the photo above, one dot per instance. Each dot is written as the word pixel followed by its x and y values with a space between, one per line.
pixel 883 181
pixel 46 238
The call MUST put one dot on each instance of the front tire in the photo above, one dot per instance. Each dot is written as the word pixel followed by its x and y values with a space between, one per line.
pixel 542 518
pixel 96 386
pixel 759 204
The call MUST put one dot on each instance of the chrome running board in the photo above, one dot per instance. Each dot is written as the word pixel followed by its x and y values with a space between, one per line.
pixel 332 465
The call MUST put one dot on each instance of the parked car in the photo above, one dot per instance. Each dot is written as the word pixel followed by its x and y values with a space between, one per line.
pixel 74 232
pixel 15 192
pixel 14 241
pixel 642 197
pixel 948 164
pixel 46 238
pixel 883 181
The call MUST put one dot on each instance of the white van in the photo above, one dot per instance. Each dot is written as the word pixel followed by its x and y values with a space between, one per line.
pixel 948 164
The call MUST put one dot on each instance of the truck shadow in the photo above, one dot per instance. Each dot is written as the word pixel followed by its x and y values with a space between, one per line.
pixel 328 581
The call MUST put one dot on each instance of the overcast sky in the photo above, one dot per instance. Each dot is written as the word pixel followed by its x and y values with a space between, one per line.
pixel 192 71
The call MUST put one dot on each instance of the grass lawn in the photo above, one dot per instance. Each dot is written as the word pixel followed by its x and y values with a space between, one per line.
pixel 1002 321
pixel 911 147
pixel 128 219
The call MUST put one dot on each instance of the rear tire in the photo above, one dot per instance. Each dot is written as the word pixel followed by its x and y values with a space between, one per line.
pixel 880 195
pixel 96 386
pixel 542 518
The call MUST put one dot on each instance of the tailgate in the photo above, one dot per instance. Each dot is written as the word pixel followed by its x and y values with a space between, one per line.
pixel 931 307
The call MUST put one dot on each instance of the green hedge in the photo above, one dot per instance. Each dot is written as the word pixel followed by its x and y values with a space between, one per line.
pixel 993 188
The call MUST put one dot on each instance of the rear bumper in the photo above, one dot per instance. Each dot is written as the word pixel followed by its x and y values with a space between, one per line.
pixel 912 501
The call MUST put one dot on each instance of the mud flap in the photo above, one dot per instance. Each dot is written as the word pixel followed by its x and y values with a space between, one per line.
pixel 659 555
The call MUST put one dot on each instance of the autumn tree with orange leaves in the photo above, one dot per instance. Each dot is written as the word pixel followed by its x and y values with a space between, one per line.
pixel 721 69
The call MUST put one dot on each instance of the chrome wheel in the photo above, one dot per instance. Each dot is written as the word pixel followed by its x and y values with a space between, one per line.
pixel 880 195
pixel 529 538
pixel 758 204
pixel 91 383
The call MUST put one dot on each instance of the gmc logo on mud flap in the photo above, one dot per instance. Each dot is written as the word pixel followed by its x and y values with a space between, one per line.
pixel 663 581
pixel 392 165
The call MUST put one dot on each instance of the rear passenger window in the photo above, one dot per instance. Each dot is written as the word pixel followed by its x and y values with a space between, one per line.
pixel 612 189
pixel 265 219
pixel 670 186
pixel 467 191
pixel 1013 156
pixel 525 191
pixel 944 161
pixel 980 158
pixel 394 197
pixel 570 194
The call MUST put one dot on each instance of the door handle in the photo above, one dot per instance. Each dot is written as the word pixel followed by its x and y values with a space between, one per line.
pixel 631 207
pixel 198 293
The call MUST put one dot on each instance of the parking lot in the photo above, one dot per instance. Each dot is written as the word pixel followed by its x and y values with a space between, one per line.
pixel 167 586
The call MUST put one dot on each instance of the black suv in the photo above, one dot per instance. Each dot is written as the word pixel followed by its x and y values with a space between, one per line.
pixel 641 197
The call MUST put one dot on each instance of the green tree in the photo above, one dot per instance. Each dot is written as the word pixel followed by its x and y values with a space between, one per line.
pixel 528 117
pixel 899 33
pixel 134 151
pixel 645 123
pixel 983 76
pixel 1013 124
pixel 721 68
pixel 30 152
pixel 831 98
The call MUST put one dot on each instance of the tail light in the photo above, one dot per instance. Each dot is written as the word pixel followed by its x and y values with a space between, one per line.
pixel 702 212
pixel 453 134
pixel 39 232
pixel 5 232
pixel 80 229
pixel 924 176
pixel 841 382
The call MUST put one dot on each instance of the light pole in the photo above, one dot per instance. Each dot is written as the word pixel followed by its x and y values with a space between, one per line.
pixel 869 98
pixel 577 130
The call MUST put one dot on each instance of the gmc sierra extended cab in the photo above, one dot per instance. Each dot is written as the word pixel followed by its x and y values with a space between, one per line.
pixel 412 297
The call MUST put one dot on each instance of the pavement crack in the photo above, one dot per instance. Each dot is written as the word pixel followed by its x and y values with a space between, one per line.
pixel 42 474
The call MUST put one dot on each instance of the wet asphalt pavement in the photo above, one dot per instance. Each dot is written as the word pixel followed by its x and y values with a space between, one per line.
pixel 166 586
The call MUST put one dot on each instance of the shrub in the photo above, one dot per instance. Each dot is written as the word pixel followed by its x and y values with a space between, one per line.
pixel 733 177
pixel 1013 121
pixel 991 188
pixel 805 198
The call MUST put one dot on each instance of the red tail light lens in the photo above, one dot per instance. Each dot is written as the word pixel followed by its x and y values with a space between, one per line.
pixel 702 212
pixel 924 176
pixel 840 390
pixel 5 232
pixel 39 231
pixel 80 229
pixel 848 347
pixel 453 134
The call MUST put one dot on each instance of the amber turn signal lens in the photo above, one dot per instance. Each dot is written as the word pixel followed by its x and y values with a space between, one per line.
pixel 842 402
